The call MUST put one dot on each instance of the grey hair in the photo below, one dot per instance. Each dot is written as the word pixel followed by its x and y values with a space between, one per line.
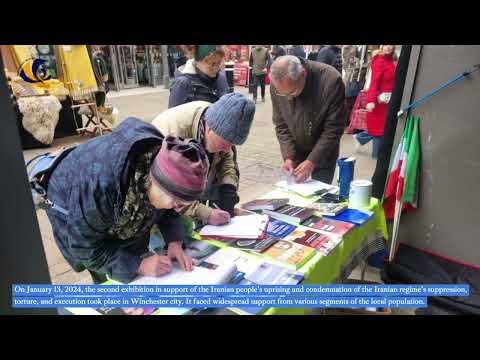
pixel 292 69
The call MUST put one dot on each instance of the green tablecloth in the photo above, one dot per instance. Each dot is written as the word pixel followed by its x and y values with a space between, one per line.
pixel 328 269
pixel 325 269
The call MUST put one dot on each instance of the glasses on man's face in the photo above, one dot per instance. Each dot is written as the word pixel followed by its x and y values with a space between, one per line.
pixel 214 65
pixel 292 93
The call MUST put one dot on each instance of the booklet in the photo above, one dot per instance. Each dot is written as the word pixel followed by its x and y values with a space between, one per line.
pixel 353 216
pixel 239 227
pixel 203 274
pixel 279 228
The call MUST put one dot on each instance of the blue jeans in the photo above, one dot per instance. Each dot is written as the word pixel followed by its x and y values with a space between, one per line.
pixel 364 138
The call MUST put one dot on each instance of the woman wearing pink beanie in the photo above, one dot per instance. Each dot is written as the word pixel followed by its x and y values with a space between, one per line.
pixel 114 190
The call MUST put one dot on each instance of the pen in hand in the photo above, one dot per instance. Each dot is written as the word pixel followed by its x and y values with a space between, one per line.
pixel 218 208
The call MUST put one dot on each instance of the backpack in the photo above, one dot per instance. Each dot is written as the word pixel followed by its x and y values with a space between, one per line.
pixel 39 170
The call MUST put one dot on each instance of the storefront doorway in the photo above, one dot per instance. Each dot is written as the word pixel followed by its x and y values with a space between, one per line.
pixel 132 66
pixel 127 66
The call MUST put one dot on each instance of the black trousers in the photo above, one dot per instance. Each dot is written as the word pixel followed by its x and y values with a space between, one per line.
pixel 259 80
pixel 324 175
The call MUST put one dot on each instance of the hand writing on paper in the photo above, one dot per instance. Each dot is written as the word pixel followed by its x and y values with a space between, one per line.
pixel 155 265
pixel 218 217
pixel 175 251
pixel 303 171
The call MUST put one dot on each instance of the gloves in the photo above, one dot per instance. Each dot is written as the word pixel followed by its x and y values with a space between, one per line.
pixel 228 198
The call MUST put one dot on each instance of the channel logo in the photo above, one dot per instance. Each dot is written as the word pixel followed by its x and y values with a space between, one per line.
pixel 34 71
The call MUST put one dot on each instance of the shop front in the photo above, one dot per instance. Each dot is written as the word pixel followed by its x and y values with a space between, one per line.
pixel 132 66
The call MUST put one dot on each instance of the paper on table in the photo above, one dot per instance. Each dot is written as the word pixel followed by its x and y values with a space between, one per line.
pixel 199 276
pixel 292 181
pixel 245 227
pixel 244 262
pixel 305 189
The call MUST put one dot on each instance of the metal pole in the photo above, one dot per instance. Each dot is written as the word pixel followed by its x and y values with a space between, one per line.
pixel 166 71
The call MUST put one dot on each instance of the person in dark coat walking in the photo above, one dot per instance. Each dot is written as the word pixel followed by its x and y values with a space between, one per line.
pixel 331 55
pixel 312 55
pixel 277 51
pixel 309 116
pixel 297 50
pixel 116 188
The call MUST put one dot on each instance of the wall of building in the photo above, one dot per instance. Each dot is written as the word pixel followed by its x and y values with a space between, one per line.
pixel 447 221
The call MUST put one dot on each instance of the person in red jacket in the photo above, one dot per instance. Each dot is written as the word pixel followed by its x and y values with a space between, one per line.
pixel 378 95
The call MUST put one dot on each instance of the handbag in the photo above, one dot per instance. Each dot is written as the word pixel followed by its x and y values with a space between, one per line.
pixel 384 98
pixel 353 88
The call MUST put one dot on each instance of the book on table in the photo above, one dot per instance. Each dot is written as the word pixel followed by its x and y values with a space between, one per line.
pixel 329 226
pixel 291 214
pixel 329 209
pixel 322 243
pixel 205 273
pixel 279 228
pixel 265 204
pixel 289 254
pixel 254 245
pixel 245 262
pixel 268 274
pixel 118 311
pixel 126 311
pixel 353 216
pixel 272 274
pixel 240 227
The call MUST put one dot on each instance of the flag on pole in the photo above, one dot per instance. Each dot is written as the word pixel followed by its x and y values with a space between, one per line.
pixel 402 192
pixel 409 190
pixel 396 178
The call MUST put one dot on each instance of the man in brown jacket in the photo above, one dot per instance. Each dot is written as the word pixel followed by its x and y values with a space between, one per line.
pixel 309 116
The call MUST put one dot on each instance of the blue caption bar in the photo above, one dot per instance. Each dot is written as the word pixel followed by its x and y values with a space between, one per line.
pixel 33 290
pixel 215 302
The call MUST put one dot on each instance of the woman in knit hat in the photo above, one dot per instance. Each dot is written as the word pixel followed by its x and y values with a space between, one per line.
pixel 201 77
pixel 115 188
